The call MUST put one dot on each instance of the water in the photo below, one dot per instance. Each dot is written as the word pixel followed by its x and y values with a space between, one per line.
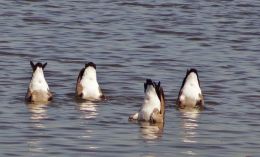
pixel 131 41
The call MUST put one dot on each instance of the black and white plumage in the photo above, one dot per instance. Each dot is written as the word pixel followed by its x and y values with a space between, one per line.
pixel 38 90
pixel 190 94
pixel 87 85
pixel 153 107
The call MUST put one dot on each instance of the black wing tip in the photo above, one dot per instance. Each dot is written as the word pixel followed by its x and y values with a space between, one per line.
pixel 80 74
pixel 192 70
pixel 160 92
pixel 153 83
pixel 149 82
pixel 38 64
pixel 90 64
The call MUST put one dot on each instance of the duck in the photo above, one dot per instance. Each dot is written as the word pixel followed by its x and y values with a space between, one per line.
pixel 87 87
pixel 38 90
pixel 153 107
pixel 190 94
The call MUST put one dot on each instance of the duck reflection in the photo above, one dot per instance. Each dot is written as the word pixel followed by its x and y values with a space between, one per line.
pixel 88 108
pixel 38 110
pixel 151 131
pixel 149 155
pixel 34 146
pixel 189 124
pixel 38 113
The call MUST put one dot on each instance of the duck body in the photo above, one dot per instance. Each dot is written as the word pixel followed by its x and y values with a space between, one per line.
pixel 87 86
pixel 38 90
pixel 153 106
pixel 190 94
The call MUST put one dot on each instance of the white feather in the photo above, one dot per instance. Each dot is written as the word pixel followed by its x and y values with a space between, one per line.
pixel 191 89
pixel 38 82
pixel 90 85
pixel 151 101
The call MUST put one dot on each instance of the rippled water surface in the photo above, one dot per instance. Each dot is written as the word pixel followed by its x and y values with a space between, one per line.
pixel 131 41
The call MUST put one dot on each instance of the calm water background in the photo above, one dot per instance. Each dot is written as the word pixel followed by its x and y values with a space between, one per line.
pixel 131 41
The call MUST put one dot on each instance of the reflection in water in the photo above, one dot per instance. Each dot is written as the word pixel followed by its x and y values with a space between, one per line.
pixel 88 108
pixel 151 131
pixel 34 146
pixel 87 136
pixel 189 125
pixel 89 111
pixel 148 155
pixel 38 110
pixel 38 113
